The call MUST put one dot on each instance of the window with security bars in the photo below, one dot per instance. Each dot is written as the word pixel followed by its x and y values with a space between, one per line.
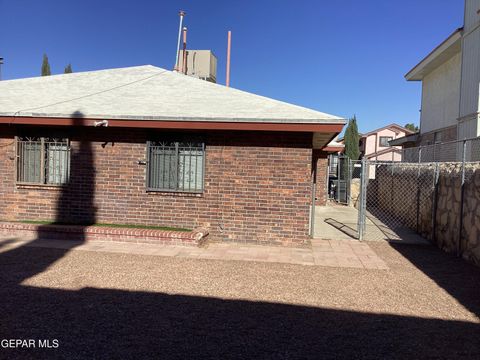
pixel 175 166
pixel 43 160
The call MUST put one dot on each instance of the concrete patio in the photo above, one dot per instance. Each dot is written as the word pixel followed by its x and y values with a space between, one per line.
pixel 339 222
pixel 331 253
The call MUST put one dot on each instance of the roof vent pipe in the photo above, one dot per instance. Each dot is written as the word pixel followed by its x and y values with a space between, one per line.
pixel 229 44
pixel 184 64
pixel 181 14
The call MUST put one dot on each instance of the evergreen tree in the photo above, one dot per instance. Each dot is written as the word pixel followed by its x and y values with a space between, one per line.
pixel 352 138
pixel 68 69
pixel 45 66
pixel 411 127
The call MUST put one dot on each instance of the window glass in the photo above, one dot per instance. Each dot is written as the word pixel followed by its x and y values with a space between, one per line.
pixel 175 166
pixel 42 160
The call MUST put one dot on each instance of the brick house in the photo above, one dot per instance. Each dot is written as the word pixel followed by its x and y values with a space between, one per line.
pixel 147 146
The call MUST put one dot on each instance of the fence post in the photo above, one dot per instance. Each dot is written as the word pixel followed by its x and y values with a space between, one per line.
pixel 419 154
pixel 462 195
pixel 362 201
pixel 349 181
pixel 436 176
pixel 418 199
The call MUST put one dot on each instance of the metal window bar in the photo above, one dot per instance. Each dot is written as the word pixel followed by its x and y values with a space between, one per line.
pixel 175 166
pixel 43 160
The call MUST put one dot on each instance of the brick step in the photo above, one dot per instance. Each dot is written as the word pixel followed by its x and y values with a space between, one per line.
pixel 195 237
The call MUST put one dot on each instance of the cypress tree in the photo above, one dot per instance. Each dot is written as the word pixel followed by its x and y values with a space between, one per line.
pixel 352 138
pixel 45 66
pixel 68 69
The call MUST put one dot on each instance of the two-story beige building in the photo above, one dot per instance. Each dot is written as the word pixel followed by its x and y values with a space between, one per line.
pixel 450 77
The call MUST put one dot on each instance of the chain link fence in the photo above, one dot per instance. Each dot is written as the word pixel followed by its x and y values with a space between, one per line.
pixel 433 193
pixel 397 201
pixel 467 150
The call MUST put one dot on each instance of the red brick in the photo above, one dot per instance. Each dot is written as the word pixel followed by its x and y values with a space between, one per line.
pixel 257 185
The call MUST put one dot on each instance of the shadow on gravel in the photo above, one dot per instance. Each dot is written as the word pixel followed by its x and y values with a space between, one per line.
pixel 456 276
pixel 109 324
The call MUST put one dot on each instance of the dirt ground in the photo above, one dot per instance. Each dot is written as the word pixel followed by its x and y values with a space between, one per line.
pixel 105 305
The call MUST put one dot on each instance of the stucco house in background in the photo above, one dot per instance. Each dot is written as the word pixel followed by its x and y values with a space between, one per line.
pixel 147 146
pixel 450 77
pixel 375 144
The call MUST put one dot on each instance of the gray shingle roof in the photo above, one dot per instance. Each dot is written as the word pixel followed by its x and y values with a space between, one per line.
pixel 145 93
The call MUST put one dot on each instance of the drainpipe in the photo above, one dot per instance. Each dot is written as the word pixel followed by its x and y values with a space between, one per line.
pixel 314 190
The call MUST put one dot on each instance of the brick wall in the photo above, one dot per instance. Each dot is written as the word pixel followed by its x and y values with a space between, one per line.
pixel 320 162
pixel 446 134
pixel 257 185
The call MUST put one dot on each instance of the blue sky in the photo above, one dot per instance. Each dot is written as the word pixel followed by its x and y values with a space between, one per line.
pixel 341 57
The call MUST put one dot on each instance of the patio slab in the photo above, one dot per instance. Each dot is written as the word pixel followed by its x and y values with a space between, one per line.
pixel 330 253
pixel 339 222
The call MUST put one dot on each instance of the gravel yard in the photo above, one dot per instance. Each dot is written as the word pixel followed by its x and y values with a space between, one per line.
pixel 105 305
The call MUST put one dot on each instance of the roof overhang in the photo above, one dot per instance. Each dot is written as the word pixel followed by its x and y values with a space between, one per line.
pixel 333 149
pixel 391 127
pixel 324 128
pixel 442 53
pixel 404 140
pixel 383 152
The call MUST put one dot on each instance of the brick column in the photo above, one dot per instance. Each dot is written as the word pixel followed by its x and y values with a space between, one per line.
pixel 320 161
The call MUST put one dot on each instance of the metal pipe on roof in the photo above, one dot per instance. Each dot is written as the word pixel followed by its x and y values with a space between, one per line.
pixel 184 66
pixel 182 14
pixel 229 44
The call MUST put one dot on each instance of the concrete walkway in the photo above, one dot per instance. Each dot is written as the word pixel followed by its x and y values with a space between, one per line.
pixel 340 222
pixel 331 253
pixel 336 222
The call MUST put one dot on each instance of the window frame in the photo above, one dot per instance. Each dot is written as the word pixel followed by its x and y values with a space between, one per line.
pixel 177 141
pixel 44 169
pixel 384 137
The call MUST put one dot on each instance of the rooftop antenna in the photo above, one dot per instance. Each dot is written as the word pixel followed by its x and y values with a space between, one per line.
pixel 229 45
pixel 181 14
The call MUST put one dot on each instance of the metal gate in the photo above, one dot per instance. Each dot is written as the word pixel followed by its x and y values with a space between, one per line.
pixel 396 200
pixel 341 181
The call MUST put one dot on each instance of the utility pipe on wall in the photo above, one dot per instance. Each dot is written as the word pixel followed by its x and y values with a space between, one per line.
pixel 229 44
pixel 182 14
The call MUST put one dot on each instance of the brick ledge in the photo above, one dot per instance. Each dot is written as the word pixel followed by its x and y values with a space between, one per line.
pixel 195 237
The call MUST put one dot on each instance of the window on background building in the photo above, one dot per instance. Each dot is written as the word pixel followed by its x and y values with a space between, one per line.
pixel 43 160
pixel 175 166
pixel 438 137
pixel 384 140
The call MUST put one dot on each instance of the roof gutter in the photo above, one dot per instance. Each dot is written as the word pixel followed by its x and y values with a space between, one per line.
pixel 334 127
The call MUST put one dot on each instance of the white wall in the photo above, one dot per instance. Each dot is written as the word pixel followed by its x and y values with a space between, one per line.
pixel 469 103
pixel 467 128
pixel 441 96
pixel 471 16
